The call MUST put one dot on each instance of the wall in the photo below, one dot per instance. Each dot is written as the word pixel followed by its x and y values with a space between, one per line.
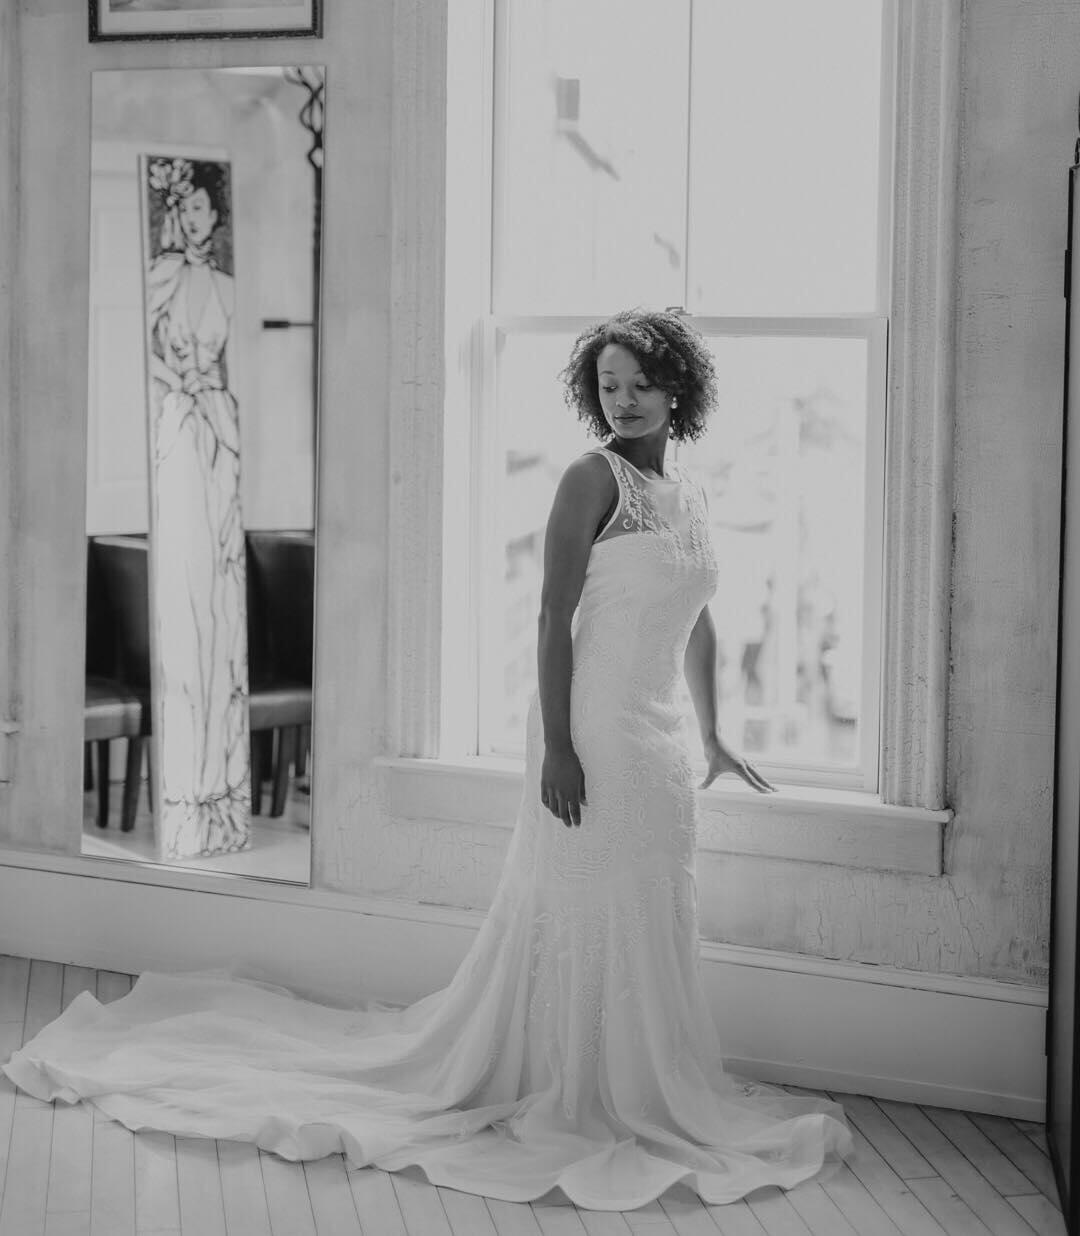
pixel 44 264
pixel 1019 133
pixel 988 915
pixel 253 117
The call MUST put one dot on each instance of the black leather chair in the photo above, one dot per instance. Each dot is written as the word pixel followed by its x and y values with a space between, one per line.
pixel 117 699
pixel 280 611
pixel 113 711
pixel 281 618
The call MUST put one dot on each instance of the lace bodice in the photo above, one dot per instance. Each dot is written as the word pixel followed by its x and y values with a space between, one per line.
pixel 651 571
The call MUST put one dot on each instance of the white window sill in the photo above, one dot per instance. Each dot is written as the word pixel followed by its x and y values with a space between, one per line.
pixel 849 828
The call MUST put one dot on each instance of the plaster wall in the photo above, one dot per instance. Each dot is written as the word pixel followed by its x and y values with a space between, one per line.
pixel 988 914
pixel 44 267
pixel 254 118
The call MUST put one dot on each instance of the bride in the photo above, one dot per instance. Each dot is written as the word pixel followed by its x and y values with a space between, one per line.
pixel 574 1047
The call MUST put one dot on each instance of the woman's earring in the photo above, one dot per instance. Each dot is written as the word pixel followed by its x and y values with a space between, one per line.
pixel 674 403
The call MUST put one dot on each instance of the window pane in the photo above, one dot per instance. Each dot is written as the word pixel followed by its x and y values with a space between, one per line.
pixel 538 437
pixel 783 464
pixel 784 165
pixel 590 156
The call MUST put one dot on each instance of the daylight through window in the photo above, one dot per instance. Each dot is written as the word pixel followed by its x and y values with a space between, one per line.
pixel 731 159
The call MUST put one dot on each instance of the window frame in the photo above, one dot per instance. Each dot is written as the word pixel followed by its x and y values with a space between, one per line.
pixel 478 710
pixel 432 439
pixel 488 547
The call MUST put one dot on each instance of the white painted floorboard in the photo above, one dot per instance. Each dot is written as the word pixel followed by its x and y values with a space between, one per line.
pixel 68 1171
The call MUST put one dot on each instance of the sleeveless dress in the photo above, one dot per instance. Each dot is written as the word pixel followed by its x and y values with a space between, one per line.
pixel 574 1047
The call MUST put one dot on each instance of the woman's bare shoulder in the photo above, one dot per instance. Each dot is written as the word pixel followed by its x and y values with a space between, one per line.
pixel 588 480
pixel 589 469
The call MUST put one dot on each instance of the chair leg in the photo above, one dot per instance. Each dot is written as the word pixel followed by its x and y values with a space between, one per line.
pixel 264 739
pixel 286 753
pixel 87 768
pixel 132 781
pixel 256 773
pixel 102 745
pixel 151 773
pixel 303 746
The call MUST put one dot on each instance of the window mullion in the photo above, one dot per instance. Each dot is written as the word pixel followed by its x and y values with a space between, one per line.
pixel 688 179
pixel 826 326
pixel 487 594
pixel 858 325
pixel 500 75
pixel 873 558
pixel 887 149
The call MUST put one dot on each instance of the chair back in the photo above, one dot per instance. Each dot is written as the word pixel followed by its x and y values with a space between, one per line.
pixel 100 638
pixel 281 606
pixel 122 566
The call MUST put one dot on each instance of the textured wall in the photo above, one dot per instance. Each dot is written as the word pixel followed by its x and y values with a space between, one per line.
pixel 1020 107
pixel 988 915
pixel 45 153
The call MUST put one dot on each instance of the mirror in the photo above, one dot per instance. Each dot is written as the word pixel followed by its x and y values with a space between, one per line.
pixel 205 253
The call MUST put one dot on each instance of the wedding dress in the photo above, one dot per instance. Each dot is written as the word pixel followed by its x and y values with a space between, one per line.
pixel 574 1047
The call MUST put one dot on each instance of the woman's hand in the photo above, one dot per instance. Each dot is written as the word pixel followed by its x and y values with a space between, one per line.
pixel 721 760
pixel 562 785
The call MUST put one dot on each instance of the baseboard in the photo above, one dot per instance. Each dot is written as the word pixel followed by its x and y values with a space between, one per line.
pixel 950 1041
pixel 945 1040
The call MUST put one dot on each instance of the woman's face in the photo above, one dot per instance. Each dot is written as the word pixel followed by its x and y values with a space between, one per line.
pixel 632 405
pixel 197 217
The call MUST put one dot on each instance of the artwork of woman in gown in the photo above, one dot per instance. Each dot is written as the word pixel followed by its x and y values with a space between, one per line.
pixel 197 534
pixel 574 1047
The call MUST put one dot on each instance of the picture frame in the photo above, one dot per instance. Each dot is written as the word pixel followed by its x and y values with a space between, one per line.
pixel 128 20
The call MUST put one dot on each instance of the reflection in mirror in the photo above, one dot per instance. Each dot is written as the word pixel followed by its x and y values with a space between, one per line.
pixel 205 250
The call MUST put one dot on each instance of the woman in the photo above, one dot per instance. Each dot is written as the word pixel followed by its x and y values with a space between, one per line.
pixel 574 1047
pixel 201 708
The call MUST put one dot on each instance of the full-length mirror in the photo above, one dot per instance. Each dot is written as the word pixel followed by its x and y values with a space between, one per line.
pixel 205 250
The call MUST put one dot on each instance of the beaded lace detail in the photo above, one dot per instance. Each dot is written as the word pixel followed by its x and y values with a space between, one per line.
pixel 644 505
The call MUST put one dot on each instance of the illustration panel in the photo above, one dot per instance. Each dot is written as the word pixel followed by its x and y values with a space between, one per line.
pixel 199 658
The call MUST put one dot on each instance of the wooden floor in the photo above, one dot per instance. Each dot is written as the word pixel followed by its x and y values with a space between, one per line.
pixel 66 1170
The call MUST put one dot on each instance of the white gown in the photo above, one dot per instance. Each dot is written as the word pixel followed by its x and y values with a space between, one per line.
pixel 574 1047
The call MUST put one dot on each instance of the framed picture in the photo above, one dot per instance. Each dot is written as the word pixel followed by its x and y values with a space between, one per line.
pixel 203 19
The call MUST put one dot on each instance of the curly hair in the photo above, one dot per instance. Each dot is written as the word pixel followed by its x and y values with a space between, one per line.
pixel 672 356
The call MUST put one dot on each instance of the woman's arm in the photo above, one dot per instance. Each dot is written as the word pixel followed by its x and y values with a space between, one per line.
pixel 584 494
pixel 699 665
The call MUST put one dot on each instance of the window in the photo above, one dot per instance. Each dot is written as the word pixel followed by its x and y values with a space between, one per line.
pixel 732 160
